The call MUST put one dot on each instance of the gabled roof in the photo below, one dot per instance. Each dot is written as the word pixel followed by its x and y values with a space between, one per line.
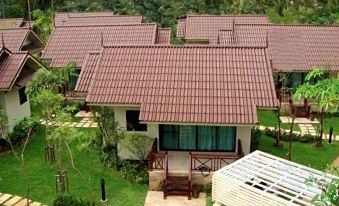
pixel 15 38
pixel 61 17
pixel 72 43
pixel 163 36
pixel 87 72
pixel 291 47
pixel 11 23
pixel 11 69
pixel 206 27
pixel 185 84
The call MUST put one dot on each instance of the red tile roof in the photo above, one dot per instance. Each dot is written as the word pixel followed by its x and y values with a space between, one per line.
pixel 10 23
pixel 292 47
pixel 206 27
pixel 102 20
pixel 87 72
pixel 181 28
pixel 163 36
pixel 72 43
pixel 11 68
pixel 63 17
pixel 14 38
pixel 186 84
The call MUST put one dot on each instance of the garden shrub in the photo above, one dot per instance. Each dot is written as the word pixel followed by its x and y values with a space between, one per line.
pixel 134 172
pixel 72 201
pixel 20 130
pixel 285 136
pixel 255 139
pixel 107 156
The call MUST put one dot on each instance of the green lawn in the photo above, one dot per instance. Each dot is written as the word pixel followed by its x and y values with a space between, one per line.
pixel 305 154
pixel 268 118
pixel 331 122
pixel 42 180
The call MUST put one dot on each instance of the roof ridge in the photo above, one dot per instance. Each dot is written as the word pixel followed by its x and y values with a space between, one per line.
pixel 291 25
pixel 185 46
pixel 231 15
pixel 80 17
pixel 110 25
pixel 16 28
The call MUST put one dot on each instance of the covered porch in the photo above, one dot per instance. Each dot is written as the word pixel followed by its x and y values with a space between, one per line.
pixel 175 172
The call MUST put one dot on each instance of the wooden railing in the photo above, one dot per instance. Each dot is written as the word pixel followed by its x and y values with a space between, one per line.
pixel 165 176
pixel 156 160
pixel 284 95
pixel 190 176
pixel 212 162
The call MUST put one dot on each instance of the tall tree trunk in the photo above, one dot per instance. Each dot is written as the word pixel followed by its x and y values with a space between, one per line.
pixel 319 144
pixel 290 145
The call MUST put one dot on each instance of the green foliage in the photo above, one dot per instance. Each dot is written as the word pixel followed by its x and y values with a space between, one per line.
pixel 14 10
pixel 72 201
pixel 134 172
pixel 138 144
pixel 43 21
pixel 21 129
pixel 255 139
pixel 329 195
pixel 110 135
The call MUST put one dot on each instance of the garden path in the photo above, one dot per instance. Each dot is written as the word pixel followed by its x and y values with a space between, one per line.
pixel 85 122
pixel 12 200
pixel 156 198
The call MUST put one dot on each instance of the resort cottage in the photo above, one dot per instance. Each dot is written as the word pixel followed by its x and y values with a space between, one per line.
pixel 199 103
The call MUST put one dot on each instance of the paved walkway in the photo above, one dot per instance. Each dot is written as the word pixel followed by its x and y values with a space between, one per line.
pixel 305 129
pixel 12 200
pixel 156 198
pixel 84 123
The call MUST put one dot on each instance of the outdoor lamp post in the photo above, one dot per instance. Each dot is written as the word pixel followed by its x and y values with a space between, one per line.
pixel 103 191
pixel 330 136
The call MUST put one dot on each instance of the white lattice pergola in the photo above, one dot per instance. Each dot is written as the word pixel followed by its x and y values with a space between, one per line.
pixel 261 179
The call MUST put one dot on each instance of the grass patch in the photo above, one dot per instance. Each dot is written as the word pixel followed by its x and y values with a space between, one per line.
pixel 42 180
pixel 305 154
pixel 331 121
pixel 268 118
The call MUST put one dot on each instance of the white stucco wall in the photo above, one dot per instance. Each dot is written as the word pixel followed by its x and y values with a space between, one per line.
pixel 11 104
pixel 120 115
pixel 243 132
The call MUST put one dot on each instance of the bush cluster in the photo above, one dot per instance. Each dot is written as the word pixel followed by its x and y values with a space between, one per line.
pixel 134 171
pixel 20 131
pixel 285 136
pixel 72 201
pixel 255 139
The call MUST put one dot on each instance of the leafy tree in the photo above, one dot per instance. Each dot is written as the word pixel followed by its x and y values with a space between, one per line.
pixel 19 155
pixel 324 94
pixel 110 132
pixel 138 144
pixel 43 21
pixel 329 195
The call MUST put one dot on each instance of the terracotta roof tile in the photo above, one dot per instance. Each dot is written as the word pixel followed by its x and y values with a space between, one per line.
pixel 218 85
pixel 206 27
pixel 14 38
pixel 10 67
pixel 11 23
pixel 61 17
pixel 72 43
pixel 181 28
pixel 163 36
pixel 87 72
pixel 102 20
pixel 293 47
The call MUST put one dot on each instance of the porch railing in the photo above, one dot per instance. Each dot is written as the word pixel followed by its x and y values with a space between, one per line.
pixel 156 160
pixel 207 162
